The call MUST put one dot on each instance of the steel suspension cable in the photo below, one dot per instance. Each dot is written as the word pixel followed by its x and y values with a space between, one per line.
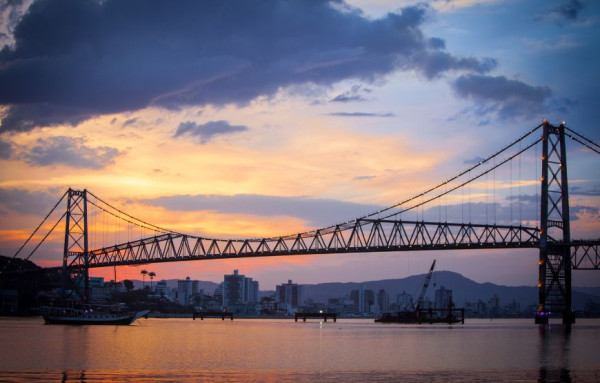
pixel 468 181
pixel 423 193
pixel 584 144
pixel 46 236
pixel 40 225
pixel 150 226
pixel 581 136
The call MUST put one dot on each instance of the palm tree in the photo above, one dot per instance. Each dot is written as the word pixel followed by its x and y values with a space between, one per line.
pixel 144 272
pixel 151 274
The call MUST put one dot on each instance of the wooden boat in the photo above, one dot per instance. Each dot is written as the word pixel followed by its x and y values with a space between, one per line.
pixel 88 316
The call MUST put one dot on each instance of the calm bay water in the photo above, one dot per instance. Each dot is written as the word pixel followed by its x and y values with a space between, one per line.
pixel 264 350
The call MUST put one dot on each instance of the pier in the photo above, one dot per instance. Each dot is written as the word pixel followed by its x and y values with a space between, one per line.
pixel 315 315
pixel 212 314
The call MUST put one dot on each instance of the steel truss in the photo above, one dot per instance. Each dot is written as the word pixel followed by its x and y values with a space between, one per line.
pixel 75 256
pixel 585 255
pixel 365 235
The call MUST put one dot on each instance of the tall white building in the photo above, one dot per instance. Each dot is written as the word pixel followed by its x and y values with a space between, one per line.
pixel 186 290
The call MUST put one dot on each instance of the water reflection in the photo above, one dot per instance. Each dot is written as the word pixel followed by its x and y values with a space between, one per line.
pixel 179 350
pixel 554 352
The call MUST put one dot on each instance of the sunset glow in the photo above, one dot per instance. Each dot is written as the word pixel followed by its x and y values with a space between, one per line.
pixel 282 119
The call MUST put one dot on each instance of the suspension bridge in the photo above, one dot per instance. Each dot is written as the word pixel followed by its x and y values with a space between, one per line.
pixel 381 231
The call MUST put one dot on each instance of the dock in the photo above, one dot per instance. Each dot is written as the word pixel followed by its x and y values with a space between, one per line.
pixel 212 314
pixel 325 316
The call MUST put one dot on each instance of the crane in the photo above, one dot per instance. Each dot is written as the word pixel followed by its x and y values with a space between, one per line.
pixel 425 285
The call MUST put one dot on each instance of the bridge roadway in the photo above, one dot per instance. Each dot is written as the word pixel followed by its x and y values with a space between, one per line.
pixel 360 236
pixel 363 235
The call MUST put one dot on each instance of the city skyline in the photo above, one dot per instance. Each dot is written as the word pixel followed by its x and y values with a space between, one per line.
pixel 286 117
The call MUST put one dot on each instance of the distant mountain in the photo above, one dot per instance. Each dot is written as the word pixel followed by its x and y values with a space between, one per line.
pixel 16 264
pixel 463 290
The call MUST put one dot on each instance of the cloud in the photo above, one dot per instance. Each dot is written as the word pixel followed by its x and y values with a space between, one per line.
pixel 508 99
pixel 567 12
pixel 74 59
pixel 6 150
pixel 10 12
pixel 592 192
pixel 206 132
pixel 70 152
pixel 473 161
pixel 316 212
pixel 354 94
pixel 363 178
pixel 130 121
pixel 570 10
pixel 361 114
pixel 434 64
pixel 26 202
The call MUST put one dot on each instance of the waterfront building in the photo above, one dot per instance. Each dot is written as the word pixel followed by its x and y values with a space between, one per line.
pixel 162 290
pixel 442 298
pixel 363 300
pixel 186 291
pixel 404 301
pixel 239 290
pixel 383 300
pixel 494 306
pixel 289 295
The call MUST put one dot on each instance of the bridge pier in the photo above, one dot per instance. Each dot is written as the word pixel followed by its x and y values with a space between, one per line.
pixel 554 284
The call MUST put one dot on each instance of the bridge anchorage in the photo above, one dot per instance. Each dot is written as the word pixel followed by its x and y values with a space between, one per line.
pixel 382 231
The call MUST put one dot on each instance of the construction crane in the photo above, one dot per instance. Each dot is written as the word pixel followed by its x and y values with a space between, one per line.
pixel 424 289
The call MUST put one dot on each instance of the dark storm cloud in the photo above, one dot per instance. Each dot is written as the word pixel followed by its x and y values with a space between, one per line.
pixel 73 59
pixel 509 99
pixel 205 132
pixel 26 202
pixel 316 212
pixel 70 152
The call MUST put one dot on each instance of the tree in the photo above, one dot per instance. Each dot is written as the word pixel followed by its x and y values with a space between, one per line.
pixel 151 274
pixel 144 272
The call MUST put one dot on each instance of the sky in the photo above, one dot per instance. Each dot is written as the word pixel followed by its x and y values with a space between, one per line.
pixel 237 119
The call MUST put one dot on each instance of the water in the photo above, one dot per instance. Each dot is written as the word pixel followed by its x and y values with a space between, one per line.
pixel 264 350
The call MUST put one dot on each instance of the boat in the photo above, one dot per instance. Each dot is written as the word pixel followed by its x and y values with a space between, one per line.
pixel 89 316
pixel 449 316
pixel 430 315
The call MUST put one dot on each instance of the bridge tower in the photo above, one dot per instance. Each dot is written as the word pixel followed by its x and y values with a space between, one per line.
pixel 554 284
pixel 75 257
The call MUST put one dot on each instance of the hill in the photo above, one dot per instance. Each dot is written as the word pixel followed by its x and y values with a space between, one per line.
pixel 464 290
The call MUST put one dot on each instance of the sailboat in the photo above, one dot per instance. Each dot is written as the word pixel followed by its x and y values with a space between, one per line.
pixel 74 313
